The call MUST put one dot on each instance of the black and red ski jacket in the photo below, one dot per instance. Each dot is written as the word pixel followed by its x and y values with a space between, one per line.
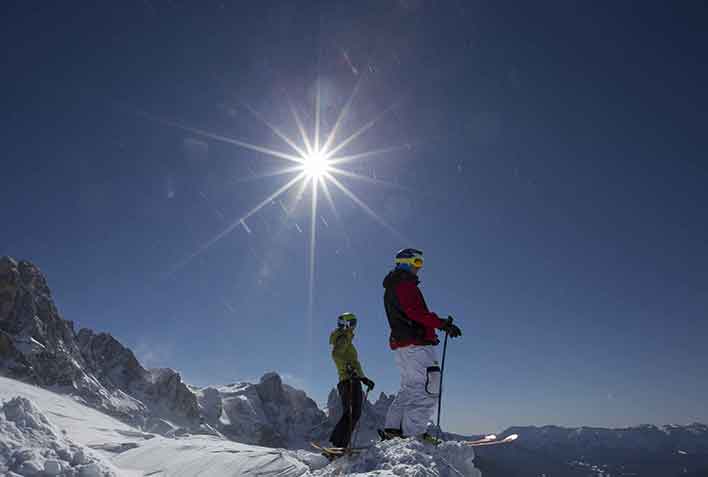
pixel 408 315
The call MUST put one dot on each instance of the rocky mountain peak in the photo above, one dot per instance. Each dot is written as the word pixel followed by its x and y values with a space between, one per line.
pixel 270 388
pixel 38 346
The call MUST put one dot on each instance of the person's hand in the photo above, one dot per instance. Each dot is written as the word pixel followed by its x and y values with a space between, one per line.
pixel 453 330
pixel 368 383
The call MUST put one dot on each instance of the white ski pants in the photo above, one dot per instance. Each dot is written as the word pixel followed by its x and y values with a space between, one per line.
pixel 420 388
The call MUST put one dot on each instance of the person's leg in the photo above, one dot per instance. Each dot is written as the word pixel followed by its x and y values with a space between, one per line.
pixel 340 434
pixel 356 404
pixel 394 416
pixel 420 390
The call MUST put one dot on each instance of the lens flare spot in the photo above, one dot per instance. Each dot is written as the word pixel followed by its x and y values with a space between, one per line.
pixel 316 164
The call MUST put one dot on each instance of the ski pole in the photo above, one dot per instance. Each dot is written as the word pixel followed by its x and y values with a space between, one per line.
pixel 442 373
pixel 351 412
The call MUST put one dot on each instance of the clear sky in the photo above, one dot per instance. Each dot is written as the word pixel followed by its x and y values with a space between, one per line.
pixel 548 157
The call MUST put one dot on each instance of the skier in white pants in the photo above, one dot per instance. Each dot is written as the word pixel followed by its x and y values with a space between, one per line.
pixel 413 340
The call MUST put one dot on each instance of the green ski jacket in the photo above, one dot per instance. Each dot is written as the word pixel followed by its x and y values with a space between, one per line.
pixel 344 354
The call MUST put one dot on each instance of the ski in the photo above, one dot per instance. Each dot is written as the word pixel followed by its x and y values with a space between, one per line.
pixel 492 442
pixel 489 438
pixel 338 451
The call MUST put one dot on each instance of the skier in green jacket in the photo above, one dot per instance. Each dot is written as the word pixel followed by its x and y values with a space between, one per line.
pixel 351 377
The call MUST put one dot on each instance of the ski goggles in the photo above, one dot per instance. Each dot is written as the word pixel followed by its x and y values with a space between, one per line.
pixel 416 262
pixel 347 320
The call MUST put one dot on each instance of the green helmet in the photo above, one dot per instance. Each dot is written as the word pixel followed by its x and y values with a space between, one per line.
pixel 346 320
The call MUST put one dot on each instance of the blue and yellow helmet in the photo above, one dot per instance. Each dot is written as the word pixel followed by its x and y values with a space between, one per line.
pixel 409 258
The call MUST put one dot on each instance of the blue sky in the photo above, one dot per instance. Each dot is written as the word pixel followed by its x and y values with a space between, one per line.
pixel 553 172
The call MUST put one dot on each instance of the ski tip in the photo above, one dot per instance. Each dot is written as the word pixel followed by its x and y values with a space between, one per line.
pixel 510 438
pixel 318 446
pixel 338 451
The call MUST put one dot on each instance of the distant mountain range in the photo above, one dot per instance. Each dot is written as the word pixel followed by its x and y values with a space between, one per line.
pixel 39 347
pixel 646 451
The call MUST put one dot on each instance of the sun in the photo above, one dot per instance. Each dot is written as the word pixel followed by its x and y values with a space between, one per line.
pixel 315 161
pixel 316 164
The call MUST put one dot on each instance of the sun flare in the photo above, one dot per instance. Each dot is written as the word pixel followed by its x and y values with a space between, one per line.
pixel 316 165
pixel 315 161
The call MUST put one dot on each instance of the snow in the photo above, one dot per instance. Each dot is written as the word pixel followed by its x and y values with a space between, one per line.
pixel 46 434
pixel 210 456
pixel 102 446
pixel 82 424
pixel 407 457
pixel 31 445
pixel 27 344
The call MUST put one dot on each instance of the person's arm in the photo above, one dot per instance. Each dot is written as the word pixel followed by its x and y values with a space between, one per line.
pixel 413 306
pixel 360 372
pixel 357 368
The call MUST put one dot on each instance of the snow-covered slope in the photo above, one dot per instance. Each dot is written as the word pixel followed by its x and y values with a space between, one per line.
pixel 41 430
pixel 31 445
pixel 43 433
pixel 209 456
pixel 38 426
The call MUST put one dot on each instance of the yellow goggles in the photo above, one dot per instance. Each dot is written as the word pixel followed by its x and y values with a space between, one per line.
pixel 417 262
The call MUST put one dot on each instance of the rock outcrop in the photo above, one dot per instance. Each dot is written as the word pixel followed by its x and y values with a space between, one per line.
pixel 268 413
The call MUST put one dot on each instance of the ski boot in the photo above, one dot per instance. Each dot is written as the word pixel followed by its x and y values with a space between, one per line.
pixel 430 439
pixel 390 433
pixel 330 456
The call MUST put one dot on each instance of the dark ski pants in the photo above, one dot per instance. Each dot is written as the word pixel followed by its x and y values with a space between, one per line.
pixel 352 398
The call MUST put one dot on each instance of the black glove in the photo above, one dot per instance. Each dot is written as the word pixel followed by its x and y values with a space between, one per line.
pixel 367 382
pixel 453 330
